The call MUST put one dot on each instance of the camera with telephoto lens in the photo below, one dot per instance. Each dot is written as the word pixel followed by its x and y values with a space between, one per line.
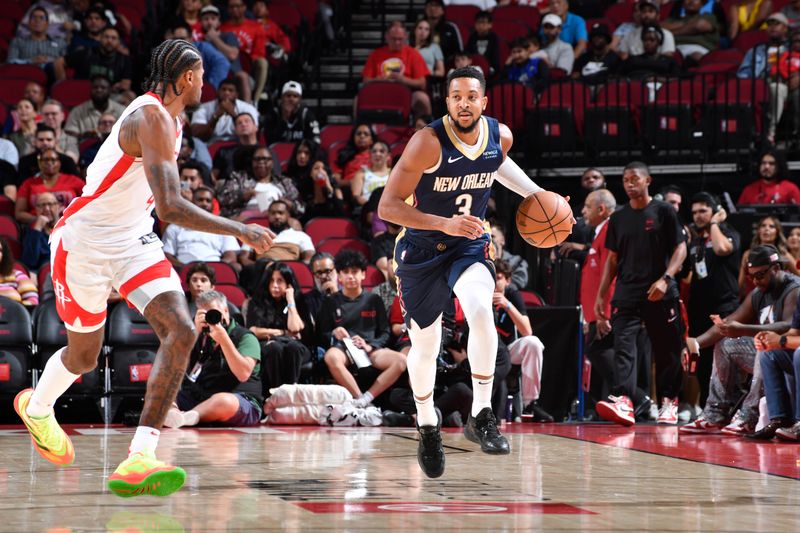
pixel 213 316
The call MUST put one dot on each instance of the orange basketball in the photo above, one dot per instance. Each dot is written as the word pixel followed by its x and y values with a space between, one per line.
pixel 544 219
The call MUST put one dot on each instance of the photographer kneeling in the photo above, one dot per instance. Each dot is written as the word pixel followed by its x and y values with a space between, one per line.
pixel 222 383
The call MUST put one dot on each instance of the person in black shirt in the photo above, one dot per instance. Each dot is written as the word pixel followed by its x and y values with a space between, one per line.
pixel 291 120
pixel 354 316
pixel 598 62
pixel 524 348
pixel 105 60
pixel 484 41
pixel 222 382
pixel 714 253
pixel 445 33
pixel 647 246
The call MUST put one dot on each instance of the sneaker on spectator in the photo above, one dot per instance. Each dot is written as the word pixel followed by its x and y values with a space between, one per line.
pixel 738 426
pixel 653 411
pixel 617 409
pixel 700 425
pixel 685 412
pixel 791 434
pixel 668 414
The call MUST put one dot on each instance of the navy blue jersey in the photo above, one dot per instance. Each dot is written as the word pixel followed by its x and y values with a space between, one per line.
pixel 462 181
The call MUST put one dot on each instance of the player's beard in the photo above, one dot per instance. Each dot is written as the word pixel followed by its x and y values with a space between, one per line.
pixel 464 129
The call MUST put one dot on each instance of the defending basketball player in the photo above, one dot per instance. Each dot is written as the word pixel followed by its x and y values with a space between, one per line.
pixel 448 169
pixel 105 240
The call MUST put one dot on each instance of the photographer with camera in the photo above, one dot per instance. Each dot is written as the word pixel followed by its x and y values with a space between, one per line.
pixel 714 252
pixel 222 382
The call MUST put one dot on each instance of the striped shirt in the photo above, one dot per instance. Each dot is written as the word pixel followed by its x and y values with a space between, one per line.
pixel 24 49
pixel 18 286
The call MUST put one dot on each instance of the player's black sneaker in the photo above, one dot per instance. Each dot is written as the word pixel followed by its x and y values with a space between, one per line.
pixel 430 452
pixel 482 429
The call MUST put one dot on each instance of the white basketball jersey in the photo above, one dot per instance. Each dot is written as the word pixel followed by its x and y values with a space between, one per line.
pixel 113 214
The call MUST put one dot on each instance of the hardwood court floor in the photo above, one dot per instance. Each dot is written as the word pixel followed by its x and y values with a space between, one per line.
pixel 558 478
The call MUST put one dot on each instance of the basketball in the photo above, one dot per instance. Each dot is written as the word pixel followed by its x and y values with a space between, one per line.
pixel 544 219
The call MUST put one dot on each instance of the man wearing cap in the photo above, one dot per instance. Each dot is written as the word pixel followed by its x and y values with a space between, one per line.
pixel 632 44
pixel 443 32
pixel 599 61
pixel 768 308
pixel 573 27
pixel 225 42
pixel 560 54
pixel 399 62
pixel 292 120
pixel 758 60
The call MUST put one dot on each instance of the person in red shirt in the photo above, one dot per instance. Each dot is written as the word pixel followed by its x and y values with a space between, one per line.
pixel 772 187
pixel 397 61
pixel 253 42
pixel 278 42
pixel 65 187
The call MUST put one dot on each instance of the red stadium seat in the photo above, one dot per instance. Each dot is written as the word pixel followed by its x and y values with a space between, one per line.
pixel 532 299
pixel 11 91
pixel 559 117
pixel 14 246
pixel 283 152
pixel 233 293
pixel 737 115
pixel 731 55
pixel 333 133
pixel 23 268
pixel 612 120
pixel 307 8
pixel 396 150
pixel 286 15
pixel 6 205
pixel 7 27
pixel 384 101
pixel 396 134
pixel 9 228
pixel 23 72
pixel 510 30
pixel 619 13
pixel 373 277
pixel 303 274
pixel 13 11
pixel 223 272
pixel 321 228
pixel 42 275
pixel 461 14
pixel 481 62
pixel 509 103
pixel 334 245
pixel 747 40
pixel 333 154
pixel 261 221
pixel 208 93
pixel 668 124
pixel 214 147
pixel 71 92
pixel 527 15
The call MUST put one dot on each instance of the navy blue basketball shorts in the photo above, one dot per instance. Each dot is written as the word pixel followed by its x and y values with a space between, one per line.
pixel 427 272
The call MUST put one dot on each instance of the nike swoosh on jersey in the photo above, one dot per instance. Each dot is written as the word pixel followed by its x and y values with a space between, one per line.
pixel 451 160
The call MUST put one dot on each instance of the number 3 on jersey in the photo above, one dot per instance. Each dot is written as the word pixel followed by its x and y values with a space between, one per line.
pixel 464 204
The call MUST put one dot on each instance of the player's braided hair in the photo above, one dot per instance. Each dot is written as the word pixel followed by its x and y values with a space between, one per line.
pixel 167 62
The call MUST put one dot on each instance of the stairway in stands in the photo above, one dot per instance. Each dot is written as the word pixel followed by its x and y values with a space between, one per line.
pixel 340 72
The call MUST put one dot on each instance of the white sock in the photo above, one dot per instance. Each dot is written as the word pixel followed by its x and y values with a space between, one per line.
pixel 421 363
pixel 481 394
pixel 366 398
pixel 474 290
pixel 191 418
pixel 145 440
pixel 55 381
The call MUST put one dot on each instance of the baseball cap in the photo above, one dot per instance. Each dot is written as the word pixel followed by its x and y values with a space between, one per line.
pixel 764 255
pixel 552 19
pixel 779 17
pixel 292 86
pixel 654 3
pixel 437 2
pixel 600 29
pixel 209 9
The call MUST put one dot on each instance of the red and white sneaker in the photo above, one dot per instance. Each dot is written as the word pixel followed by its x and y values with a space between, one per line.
pixel 700 425
pixel 738 426
pixel 617 409
pixel 668 413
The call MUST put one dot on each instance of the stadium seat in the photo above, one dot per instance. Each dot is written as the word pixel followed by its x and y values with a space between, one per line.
pixel 132 13
pixel 729 55
pixel 214 147
pixel 132 349
pixel 334 245
pixel 481 62
pixel 461 14
pixel 527 15
pixel 16 338
pixel 71 92
pixel 333 154
pixel 394 134
pixel 509 102
pixel 14 246
pixel 612 120
pixel 261 221
pixel 208 93
pixel 302 273
pixel 223 272
pixel 42 276
pixel 283 152
pixel 333 133
pixel 747 40
pixel 557 120
pixel 286 15
pixel 531 299
pixel 11 91
pixel 737 116
pixel 51 335
pixel 384 101
pixel 233 293
pixel 373 277
pixel 321 228
pixel 669 123
pixel 619 13
pixel 9 228
pixel 307 8
pixel 23 72
pixel 13 11
pixel 396 150
pixel 510 30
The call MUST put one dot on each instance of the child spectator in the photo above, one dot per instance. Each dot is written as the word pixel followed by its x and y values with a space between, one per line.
pixel 531 72
pixel 484 41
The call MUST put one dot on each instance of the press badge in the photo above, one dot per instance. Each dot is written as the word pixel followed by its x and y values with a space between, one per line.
pixel 700 268
pixel 195 373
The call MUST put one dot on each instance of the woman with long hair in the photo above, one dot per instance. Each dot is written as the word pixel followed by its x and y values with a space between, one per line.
pixel 768 231
pixel 23 135
pixel 430 51
pixel 371 179
pixel 249 192
pixel 277 315
pixel 793 243
pixel 14 283
pixel 355 154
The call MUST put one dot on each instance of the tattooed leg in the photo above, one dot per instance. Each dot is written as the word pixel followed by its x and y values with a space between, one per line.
pixel 168 313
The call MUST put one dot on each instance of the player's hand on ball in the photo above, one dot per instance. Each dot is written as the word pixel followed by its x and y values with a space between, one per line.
pixel 257 237
pixel 468 226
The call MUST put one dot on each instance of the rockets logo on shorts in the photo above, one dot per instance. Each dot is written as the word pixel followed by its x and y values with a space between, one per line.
pixel 60 293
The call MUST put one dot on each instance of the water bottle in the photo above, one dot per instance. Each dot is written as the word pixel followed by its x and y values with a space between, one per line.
pixel 510 409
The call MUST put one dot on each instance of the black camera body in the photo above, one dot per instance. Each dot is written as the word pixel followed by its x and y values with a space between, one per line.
pixel 213 316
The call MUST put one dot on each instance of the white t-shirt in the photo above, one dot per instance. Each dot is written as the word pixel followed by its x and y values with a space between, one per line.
pixel 631 43
pixel 224 129
pixel 189 245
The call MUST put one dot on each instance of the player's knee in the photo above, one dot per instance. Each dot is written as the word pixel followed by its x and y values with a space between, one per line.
pixel 183 335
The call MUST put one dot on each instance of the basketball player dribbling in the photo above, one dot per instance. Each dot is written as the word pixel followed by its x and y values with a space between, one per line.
pixel 105 240
pixel 439 191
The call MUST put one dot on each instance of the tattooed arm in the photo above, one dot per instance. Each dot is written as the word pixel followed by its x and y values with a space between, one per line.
pixel 150 133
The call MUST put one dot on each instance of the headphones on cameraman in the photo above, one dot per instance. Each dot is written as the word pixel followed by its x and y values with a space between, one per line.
pixel 709 199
